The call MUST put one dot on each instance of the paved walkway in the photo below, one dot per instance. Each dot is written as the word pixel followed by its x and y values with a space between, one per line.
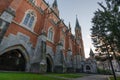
pixel 117 73
pixel 93 77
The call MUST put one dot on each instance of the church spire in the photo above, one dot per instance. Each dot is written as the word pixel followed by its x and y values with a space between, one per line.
pixel 55 7
pixel 55 3
pixel 77 30
pixel 77 26
pixel 69 26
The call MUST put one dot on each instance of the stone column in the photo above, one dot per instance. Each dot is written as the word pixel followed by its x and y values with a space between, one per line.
pixel 69 61
pixel 59 59
pixel 43 63
pixel 78 64
pixel 39 59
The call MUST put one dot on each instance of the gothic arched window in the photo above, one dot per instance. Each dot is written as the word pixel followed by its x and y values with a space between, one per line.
pixel 29 20
pixel 50 34
pixel 26 19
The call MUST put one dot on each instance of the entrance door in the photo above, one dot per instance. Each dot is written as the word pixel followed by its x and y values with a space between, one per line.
pixel 49 65
pixel 88 69
pixel 12 61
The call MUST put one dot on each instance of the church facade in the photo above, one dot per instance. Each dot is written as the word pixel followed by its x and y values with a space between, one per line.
pixel 33 38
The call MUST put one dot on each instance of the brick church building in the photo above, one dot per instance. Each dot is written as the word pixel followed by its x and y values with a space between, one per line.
pixel 33 38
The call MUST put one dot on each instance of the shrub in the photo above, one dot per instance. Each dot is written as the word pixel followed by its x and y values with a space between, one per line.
pixel 102 71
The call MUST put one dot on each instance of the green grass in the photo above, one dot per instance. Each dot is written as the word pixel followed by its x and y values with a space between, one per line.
pixel 68 75
pixel 111 78
pixel 30 76
pixel 25 76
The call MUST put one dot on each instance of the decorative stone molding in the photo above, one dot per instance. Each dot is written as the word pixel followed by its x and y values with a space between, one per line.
pixel 8 15
pixel 19 39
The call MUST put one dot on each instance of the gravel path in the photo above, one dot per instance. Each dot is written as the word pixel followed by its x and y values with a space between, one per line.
pixel 93 77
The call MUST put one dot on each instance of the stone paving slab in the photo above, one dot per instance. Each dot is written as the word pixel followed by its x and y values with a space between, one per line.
pixel 93 77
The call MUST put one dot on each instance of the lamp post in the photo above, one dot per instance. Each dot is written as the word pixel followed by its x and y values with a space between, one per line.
pixel 110 60
pixel 112 67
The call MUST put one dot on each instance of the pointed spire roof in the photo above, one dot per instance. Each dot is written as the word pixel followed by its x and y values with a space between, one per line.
pixel 69 26
pixel 55 3
pixel 55 7
pixel 91 53
pixel 77 23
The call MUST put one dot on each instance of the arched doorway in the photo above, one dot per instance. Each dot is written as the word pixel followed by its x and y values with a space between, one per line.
pixel 88 69
pixel 49 64
pixel 12 61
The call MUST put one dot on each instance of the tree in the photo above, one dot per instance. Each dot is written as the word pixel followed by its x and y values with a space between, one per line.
pixel 106 27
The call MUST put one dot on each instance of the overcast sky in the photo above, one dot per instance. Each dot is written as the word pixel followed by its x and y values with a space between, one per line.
pixel 84 9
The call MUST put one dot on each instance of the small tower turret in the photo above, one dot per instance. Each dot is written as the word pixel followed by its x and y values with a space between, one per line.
pixel 91 54
pixel 55 7
pixel 69 26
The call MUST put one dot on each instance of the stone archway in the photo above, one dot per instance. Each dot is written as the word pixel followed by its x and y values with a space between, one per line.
pixel 12 60
pixel 49 62
pixel 19 52
pixel 88 69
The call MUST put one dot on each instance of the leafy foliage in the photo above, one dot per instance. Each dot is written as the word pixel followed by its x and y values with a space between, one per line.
pixel 105 31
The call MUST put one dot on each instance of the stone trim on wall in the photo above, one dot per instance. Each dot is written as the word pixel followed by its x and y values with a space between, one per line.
pixel 19 42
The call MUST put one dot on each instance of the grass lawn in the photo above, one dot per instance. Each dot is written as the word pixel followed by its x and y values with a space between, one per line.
pixel 25 76
pixel 111 78
pixel 69 75
pixel 30 76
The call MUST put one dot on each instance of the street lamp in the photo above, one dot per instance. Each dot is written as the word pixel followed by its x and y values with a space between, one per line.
pixel 110 60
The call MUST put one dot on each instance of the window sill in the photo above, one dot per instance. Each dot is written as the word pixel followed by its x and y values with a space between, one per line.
pixel 31 30
pixel 50 40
